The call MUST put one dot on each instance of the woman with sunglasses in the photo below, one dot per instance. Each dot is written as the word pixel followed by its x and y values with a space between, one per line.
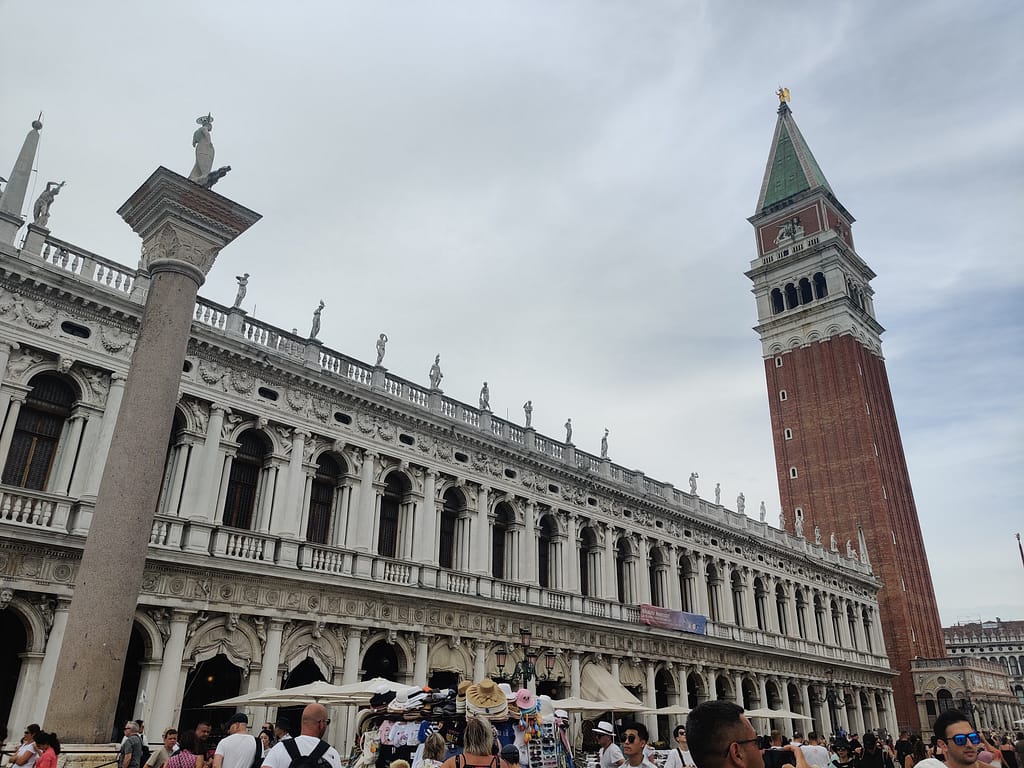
pixel 26 754
pixel 844 757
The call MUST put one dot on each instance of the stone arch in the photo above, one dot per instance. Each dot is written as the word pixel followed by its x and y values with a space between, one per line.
pixel 152 637
pixel 401 473
pixel 445 656
pixel 404 652
pixel 32 621
pixel 236 640
pixel 321 647
pixel 773 694
pixel 26 364
pixel 339 457
pixel 273 440
pixel 750 693
pixel 696 688
pixel 724 688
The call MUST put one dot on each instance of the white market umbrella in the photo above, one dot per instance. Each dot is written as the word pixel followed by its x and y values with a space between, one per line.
pixel 673 709
pixel 364 689
pixel 576 704
pixel 764 712
pixel 790 715
pixel 245 698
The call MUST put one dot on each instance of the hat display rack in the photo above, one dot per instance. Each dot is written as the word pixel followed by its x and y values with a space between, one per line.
pixel 399 721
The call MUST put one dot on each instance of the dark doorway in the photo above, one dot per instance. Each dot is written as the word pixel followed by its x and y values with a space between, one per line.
pixel 380 661
pixel 305 673
pixel 130 677
pixel 210 680
pixel 443 678
pixel 13 643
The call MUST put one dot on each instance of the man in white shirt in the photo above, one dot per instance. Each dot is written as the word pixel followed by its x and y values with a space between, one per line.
pixel 238 749
pixel 611 755
pixel 815 754
pixel 314 725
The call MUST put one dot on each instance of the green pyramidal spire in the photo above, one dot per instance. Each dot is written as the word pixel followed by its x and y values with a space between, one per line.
pixel 791 168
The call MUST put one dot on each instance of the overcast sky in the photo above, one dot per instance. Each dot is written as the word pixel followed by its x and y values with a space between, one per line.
pixel 553 196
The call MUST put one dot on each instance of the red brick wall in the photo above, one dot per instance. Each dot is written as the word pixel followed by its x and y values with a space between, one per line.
pixel 846 448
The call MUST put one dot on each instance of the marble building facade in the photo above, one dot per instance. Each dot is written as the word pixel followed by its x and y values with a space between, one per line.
pixel 320 513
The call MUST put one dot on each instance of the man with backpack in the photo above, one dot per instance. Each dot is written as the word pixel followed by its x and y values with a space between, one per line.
pixel 308 749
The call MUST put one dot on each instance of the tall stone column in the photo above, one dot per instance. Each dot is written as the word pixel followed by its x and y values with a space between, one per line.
pixel 609 582
pixel 651 700
pixel 68 452
pixel 479 660
pixel 528 551
pixel 183 227
pixel 826 715
pixel 165 701
pixel 425 542
pixel 419 669
pixel 480 552
pixel 353 650
pixel 642 585
pixel 873 706
pixel 361 525
pixel 574 674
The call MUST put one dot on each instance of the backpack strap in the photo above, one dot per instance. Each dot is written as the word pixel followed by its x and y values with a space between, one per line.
pixel 292 748
pixel 319 750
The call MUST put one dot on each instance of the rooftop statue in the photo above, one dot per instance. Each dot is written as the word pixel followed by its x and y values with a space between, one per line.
pixel 764 512
pixel 243 281
pixel 568 431
pixel 382 342
pixel 41 210
pixel 316 320
pixel 435 373
pixel 202 172
pixel 485 397
pixel 741 502
pixel 604 444
pixel 528 411
pixel 693 483
pixel 718 493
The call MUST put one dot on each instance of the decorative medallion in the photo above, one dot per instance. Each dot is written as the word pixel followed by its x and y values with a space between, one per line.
pixel 177 586
pixel 242 382
pixel 272 597
pixel 62 572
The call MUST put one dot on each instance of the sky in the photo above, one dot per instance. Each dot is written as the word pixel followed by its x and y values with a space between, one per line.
pixel 552 195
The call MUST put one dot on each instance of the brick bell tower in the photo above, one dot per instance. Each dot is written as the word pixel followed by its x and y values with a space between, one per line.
pixel 838 451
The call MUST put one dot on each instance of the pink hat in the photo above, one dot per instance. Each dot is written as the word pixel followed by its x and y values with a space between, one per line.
pixel 525 700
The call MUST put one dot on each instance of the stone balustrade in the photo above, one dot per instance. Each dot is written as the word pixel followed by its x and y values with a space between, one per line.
pixel 87 266
pixel 34 509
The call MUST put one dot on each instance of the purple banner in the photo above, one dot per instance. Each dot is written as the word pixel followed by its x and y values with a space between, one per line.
pixel 666 618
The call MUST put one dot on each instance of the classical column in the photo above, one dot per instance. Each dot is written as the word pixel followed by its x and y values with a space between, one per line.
pixel 574 674
pixel 28 703
pixel 67 453
pixel 610 581
pixel 111 413
pixel 204 476
pixel 17 400
pixel 6 347
pixel 288 514
pixel 419 670
pixel 49 663
pixel 762 686
pixel 826 714
pixel 675 600
pixel 183 227
pixel 529 559
pixel 479 660
pixel 651 700
pixel 784 687
pixel 805 703
pixel 353 649
pixel 425 542
pixel 873 706
pixel 642 585
pixel 857 721
pixel 165 701
pixel 360 526
pixel 479 553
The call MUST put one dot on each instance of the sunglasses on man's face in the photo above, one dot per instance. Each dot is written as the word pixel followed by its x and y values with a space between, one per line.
pixel 961 739
pixel 631 738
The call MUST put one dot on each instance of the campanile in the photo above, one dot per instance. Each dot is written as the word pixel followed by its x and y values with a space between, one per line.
pixel 838 453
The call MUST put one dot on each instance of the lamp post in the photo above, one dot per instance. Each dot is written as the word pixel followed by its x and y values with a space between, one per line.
pixel 526 669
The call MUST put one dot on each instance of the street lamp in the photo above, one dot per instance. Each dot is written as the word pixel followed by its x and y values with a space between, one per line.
pixel 526 669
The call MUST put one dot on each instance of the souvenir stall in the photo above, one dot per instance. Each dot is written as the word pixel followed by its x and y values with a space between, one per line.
pixel 397 723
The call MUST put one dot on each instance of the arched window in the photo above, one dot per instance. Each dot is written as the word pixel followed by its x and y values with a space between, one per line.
pixel 778 305
pixel 687 581
pixel 622 556
pixel 737 598
pixel 866 621
pixel 761 604
pixel 396 489
pixel 836 618
pixel 819 618
pixel 781 602
pixel 792 300
pixel 945 700
pixel 656 573
pixel 806 297
pixel 544 559
pixel 820 286
pixel 37 432
pixel 177 454
pixel 501 531
pixel 244 479
pixel 851 620
pixel 589 563
pixel 713 582
pixel 1014 667
pixel 801 613
pixel 321 500
pixel 447 549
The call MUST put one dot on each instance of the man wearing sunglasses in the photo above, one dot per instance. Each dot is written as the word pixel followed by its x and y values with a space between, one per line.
pixel 958 738
pixel 721 736
pixel 634 743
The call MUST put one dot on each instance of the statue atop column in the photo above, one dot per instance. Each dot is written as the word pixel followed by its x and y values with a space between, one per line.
pixel 568 432
pixel 202 172
pixel 485 397
pixel 41 210
pixel 315 329
pixel 435 373
pixel 243 281
pixel 693 483
pixel 528 413
pixel 604 444
pixel 382 342
pixel 741 503
pixel 718 493
pixel 798 526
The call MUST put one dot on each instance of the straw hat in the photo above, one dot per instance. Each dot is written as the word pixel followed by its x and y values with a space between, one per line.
pixel 487 699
